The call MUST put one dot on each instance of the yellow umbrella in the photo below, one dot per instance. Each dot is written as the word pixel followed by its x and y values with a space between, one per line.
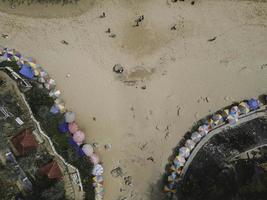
pixel 243 107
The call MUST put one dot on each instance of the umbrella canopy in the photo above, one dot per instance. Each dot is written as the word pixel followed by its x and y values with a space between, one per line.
pixel 243 107
pixel 88 149
pixel 50 84
pixel 234 110
pixel 98 170
pixel 217 119
pixel 94 158
pixel 232 119
pixel 253 104
pixel 63 127
pixel 54 93
pixel 179 161
pixel 73 127
pixel 190 144
pixel 79 137
pixel 225 113
pixel 196 137
pixel 184 152
pixel 203 130
pixel 70 117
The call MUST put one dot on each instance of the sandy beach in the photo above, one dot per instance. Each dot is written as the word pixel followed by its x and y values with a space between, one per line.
pixel 215 55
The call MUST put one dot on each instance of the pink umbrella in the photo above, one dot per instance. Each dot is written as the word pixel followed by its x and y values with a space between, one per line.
pixel 79 137
pixel 94 159
pixel 73 127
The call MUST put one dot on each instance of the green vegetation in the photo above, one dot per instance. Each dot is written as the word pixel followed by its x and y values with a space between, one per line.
pixel 40 103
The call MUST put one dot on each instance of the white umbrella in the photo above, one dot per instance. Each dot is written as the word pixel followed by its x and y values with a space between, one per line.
pixel 98 170
pixel 196 137
pixel 70 117
pixel 184 152
pixel 88 149
pixel 190 144
pixel 203 130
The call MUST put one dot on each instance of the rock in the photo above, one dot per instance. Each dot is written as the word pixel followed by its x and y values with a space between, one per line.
pixel 118 69
pixel 68 75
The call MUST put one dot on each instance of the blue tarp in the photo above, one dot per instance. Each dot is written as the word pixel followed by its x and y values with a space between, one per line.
pixel 26 71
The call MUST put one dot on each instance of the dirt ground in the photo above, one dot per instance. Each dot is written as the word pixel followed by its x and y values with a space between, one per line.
pixel 215 55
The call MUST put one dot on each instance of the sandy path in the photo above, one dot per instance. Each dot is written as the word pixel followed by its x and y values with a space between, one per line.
pixel 179 68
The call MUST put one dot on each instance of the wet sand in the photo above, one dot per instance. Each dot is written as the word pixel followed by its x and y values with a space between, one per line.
pixel 167 74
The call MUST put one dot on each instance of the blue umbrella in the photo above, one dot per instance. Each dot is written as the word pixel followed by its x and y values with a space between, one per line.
pixel 63 127
pixel 253 104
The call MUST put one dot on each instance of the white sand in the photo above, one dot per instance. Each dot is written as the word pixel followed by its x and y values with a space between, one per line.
pixel 179 68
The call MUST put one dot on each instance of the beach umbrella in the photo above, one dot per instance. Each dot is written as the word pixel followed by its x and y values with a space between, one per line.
pixel 234 110
pixel 203 130
pixel 225 113
pixel 184 152
pixel 97 170
pixel 59 103
pixel 79 137
pixel 63 127
pixel 54 109
pixel 243 107
pixel 88 149
pixel 73 127
pixel 70 116
pixel 50 84
pixel 179 161
pixel 232 119
pixel 217 119
pixel 190 144
pixel 210 123
pixel 94 158
pixel 253 104
pixel 172 177
pixel 168 188
pixel 54 93
pixel 196 137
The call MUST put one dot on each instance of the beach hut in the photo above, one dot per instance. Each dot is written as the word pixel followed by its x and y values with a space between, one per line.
pixel 70 117
pixel 88 149
pixel 79 137
pixel 24 142
pixel 196 137
pixel 51 170
pixel 184 152
pixel 73 127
